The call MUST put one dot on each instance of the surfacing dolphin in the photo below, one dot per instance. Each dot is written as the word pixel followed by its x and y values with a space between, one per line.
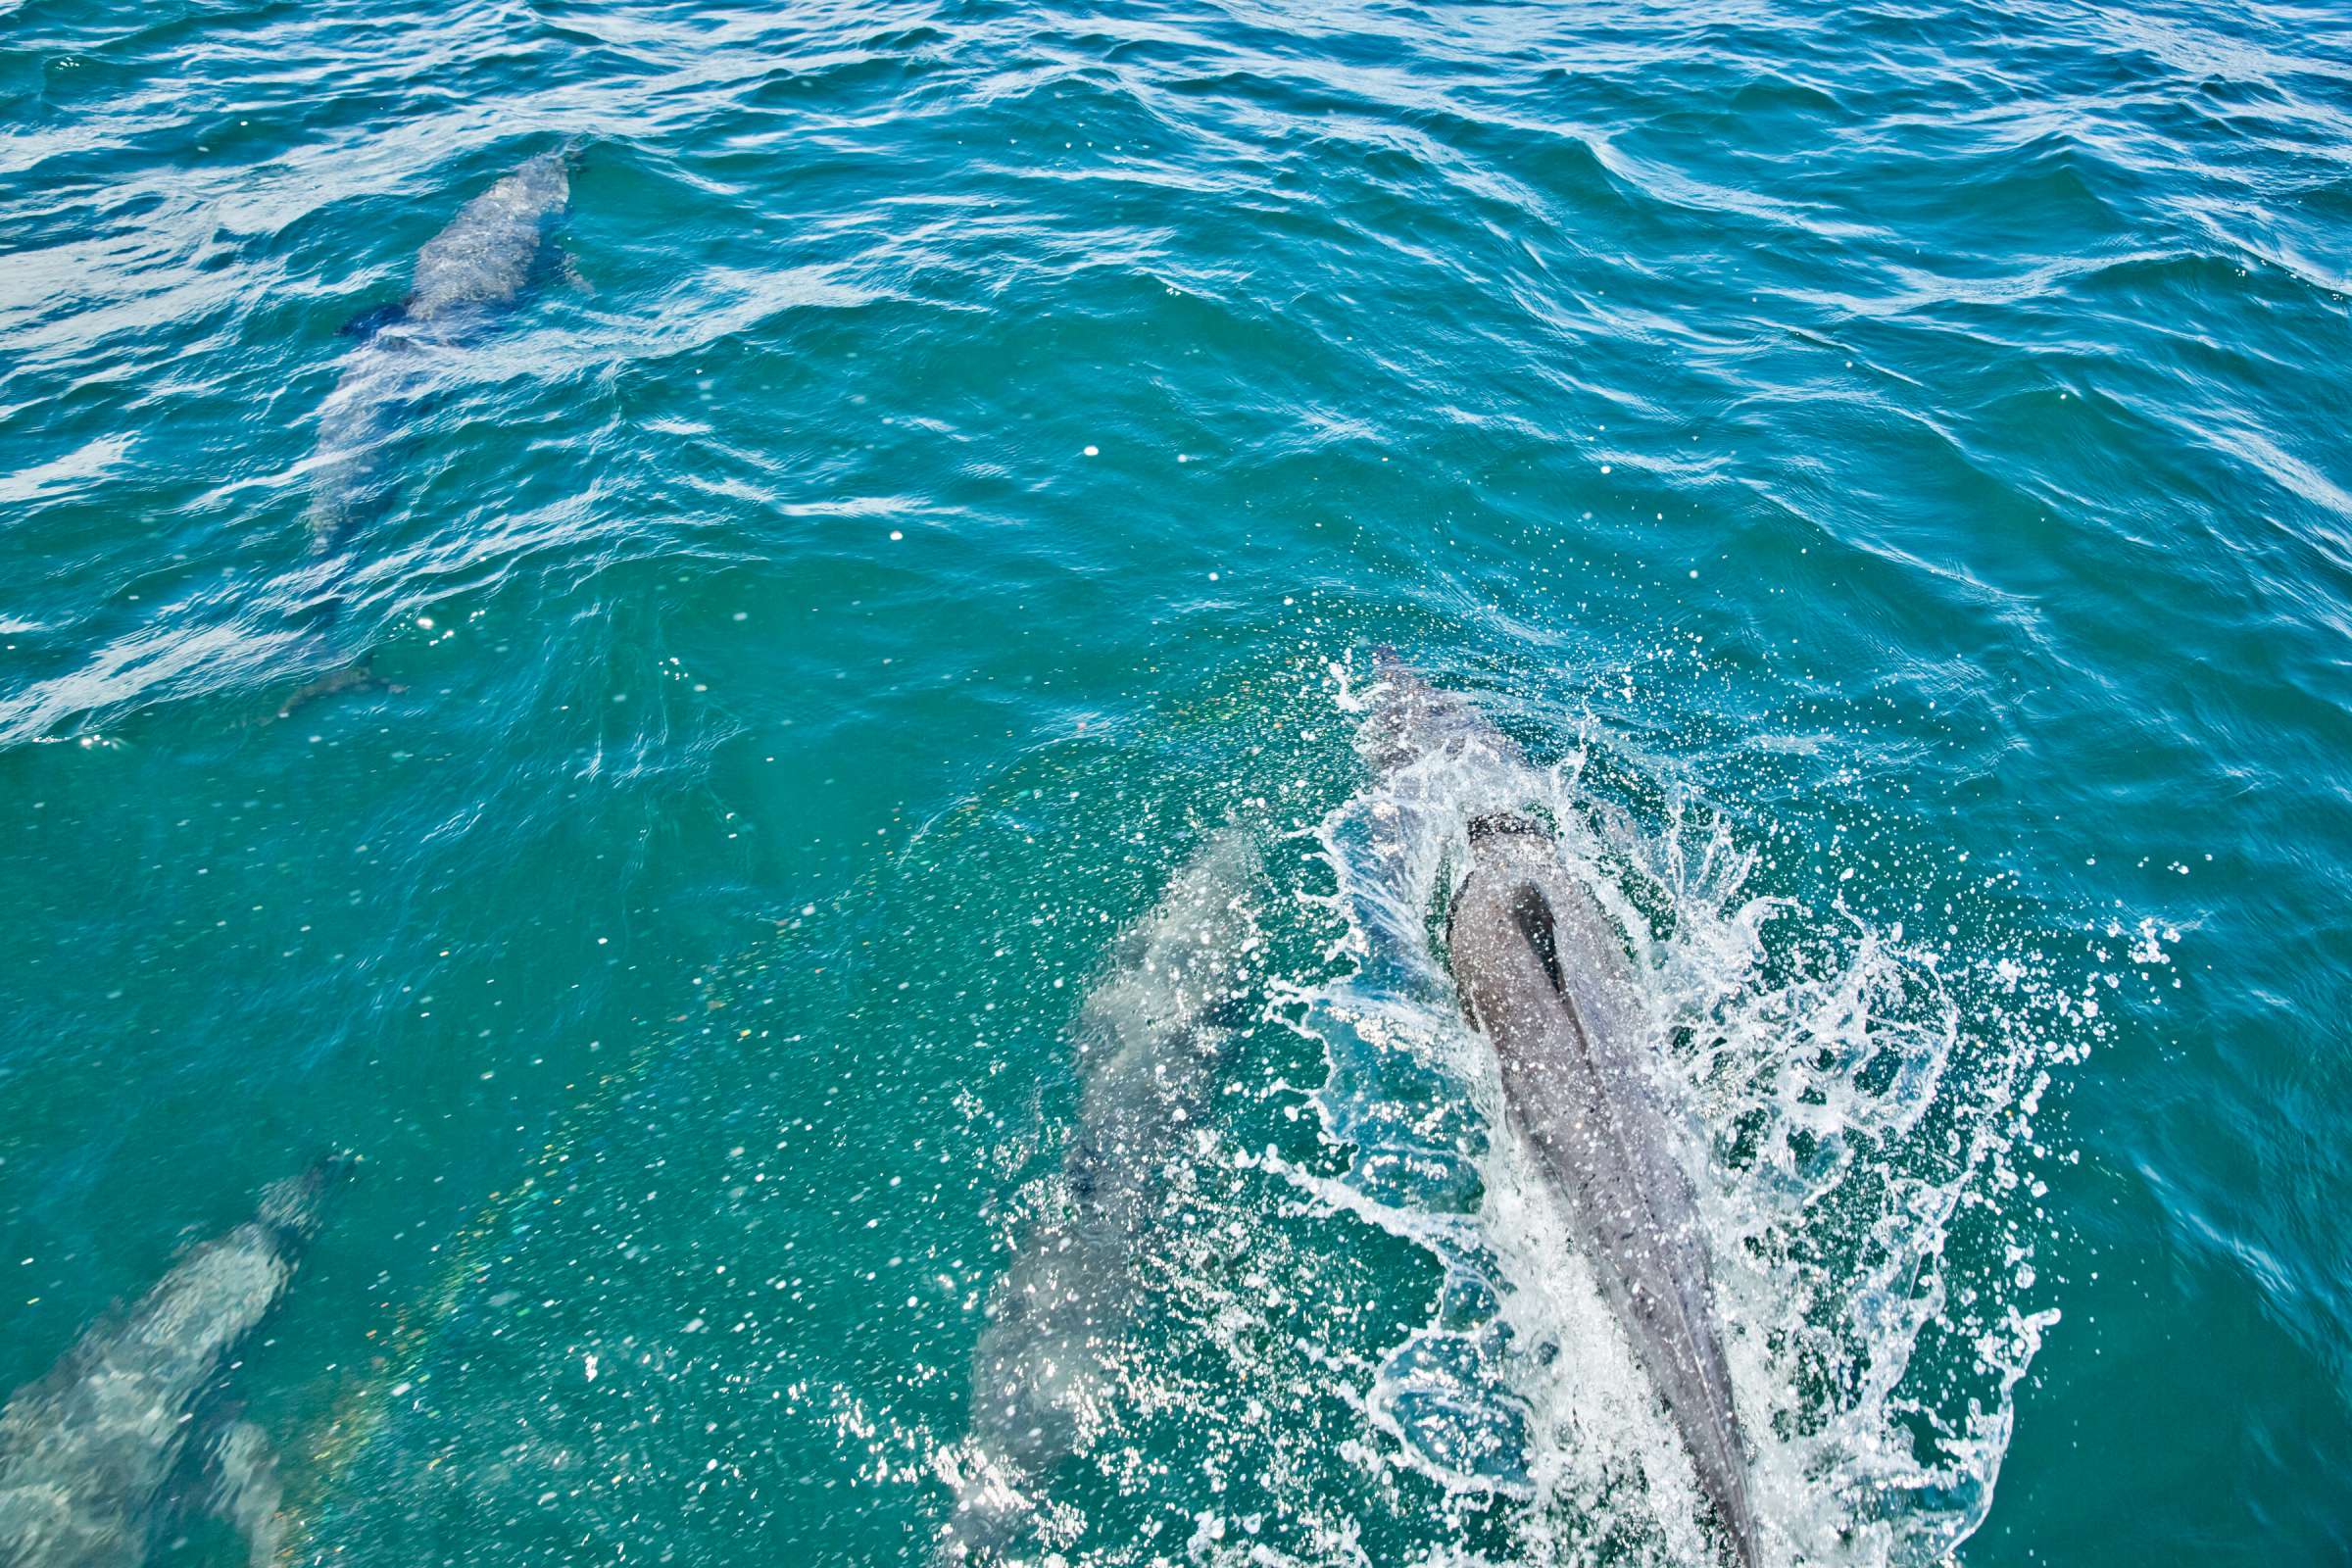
pixel 467 275
pixel 1544 976
pixel 1151 1035
pixel 89 1454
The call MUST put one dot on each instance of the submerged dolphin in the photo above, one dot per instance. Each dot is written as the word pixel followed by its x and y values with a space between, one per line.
pixel 475 268
pixel 88 1453
pixel 1150 1036
pixel 1543 974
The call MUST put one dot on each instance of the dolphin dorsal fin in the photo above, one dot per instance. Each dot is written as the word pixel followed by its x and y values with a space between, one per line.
pixel 1532 913
pixel 374 319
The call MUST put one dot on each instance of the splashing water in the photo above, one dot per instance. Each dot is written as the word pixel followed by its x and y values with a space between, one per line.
pixel 1854 1102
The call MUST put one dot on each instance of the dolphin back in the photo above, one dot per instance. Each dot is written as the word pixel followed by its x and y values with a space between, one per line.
pixel 484 257
pixel 1543 974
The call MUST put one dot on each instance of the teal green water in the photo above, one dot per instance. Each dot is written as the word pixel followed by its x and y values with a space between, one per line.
pixel 1888 461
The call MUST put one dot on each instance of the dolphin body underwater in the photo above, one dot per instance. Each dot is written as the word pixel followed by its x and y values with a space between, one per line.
pixel 1544 976
pixel 476 267
pixel 89 1454
pixel 1151 1033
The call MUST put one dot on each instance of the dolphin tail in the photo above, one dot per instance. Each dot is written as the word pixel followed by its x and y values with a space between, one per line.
pixel 318 619
pixel 1736 1522
pixel 1746 1551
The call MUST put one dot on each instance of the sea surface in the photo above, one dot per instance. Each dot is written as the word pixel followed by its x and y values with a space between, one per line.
pixel 1886 463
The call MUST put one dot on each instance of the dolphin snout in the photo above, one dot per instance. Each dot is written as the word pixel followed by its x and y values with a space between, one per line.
pixel 298 1203
pixel 335 1167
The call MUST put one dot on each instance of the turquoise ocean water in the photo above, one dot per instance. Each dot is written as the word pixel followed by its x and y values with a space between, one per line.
pixel 1885 463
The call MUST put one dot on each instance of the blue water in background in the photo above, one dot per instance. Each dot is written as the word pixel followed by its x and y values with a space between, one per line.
pixel 959 444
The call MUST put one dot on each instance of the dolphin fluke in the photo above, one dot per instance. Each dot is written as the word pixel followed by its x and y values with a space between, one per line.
pixel 360 677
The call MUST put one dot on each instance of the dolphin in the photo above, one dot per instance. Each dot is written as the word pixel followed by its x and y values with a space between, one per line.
pixel 89 1452
pixel 464 276
pixel 1544 976
pixel 1150 1036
